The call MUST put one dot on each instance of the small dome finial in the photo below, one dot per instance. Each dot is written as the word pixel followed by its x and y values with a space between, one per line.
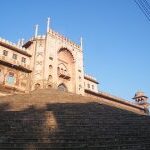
pixel 140 98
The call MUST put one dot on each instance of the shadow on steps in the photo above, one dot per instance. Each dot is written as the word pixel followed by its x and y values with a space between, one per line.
pixel 73 126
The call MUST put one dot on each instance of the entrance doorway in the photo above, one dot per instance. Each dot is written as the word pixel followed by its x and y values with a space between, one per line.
pixel 62 87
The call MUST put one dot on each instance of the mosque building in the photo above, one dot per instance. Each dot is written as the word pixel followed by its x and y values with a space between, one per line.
pixel 44 61
pixel 53 61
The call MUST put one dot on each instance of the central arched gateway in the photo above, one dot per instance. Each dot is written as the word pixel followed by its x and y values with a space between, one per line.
pixel 66 70
pixel 62 87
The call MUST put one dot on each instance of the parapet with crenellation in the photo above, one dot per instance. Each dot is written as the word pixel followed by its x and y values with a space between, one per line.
pixel 63 38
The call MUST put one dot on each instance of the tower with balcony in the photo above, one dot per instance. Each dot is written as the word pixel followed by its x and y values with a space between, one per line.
pixel 141 99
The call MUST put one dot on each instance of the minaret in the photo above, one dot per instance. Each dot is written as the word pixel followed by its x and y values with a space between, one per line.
pixel 81 43
pixel 36 30
pixel 48 24
pixel 19 41
pixel 22 42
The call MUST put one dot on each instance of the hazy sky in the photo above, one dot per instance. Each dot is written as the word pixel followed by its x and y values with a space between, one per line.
pixel 116 36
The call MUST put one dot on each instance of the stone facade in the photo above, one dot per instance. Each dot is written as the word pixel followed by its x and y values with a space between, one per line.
pixel 51 61
pixel 15 70
pixel 48 61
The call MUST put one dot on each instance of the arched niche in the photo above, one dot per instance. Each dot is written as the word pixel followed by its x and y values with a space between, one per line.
pixel 66 69
pixel 62 87
pixel 37 86
pixel 66 54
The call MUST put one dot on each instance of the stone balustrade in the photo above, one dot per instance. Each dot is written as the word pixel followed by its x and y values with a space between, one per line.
pixel 118 98
pixel 63 74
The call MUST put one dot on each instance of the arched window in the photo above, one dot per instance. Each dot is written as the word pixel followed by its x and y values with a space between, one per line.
pixel 63 68
pixel 80 86
pixel 37 86
pixel 10 78
pixel 49 77
pixel 5 53
pixel 50 67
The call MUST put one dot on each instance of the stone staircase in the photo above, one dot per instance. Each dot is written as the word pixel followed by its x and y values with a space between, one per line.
pixel 53 120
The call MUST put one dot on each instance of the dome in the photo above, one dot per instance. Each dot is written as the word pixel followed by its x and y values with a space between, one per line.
pixel 139 94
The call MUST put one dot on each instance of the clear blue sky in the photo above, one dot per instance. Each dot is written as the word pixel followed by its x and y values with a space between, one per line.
pixel 115 32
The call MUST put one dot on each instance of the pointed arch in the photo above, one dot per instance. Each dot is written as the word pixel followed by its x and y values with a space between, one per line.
pixel 66 49
pixel 37 86
pixel 62 87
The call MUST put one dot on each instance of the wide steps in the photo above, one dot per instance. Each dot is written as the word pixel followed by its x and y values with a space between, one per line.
pixel 56 121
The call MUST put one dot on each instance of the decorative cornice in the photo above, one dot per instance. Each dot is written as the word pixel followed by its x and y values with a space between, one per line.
pixel 90 78
pixel 14 47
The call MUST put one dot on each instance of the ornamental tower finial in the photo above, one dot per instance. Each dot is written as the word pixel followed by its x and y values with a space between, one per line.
pixel 81 43
pixel 48 24
pixel 36 30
